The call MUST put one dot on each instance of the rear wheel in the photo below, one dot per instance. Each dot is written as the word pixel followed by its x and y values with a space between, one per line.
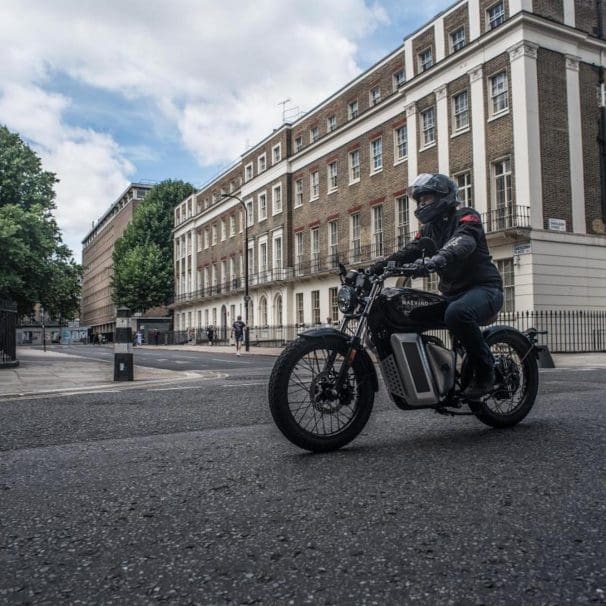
pixel 304 401
pixel 517 381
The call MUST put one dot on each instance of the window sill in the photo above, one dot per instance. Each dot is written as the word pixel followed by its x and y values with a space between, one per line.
pixel 354 181
pixel 460 132
pixel 426 147
pixel 332 191
pixel 314 199
pixel 298 205
pixel 401 161
pixel 499 115
pixel 376 172
pixel 277 212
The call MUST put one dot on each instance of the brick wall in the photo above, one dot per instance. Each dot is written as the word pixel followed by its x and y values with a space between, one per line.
pixel 420 43
pixel 553 110
pixel 484 6
pixel 585 15
pixel 551 9
pixel 460 147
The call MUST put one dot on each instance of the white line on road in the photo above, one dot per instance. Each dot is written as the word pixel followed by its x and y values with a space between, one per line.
pixel 230 361
pixel 173 388
pixel 242 384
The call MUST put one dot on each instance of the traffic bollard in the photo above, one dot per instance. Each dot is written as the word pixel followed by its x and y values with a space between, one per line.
pixel 123 346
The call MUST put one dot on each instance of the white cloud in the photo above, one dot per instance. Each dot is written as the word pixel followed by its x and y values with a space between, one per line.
pixel 216 70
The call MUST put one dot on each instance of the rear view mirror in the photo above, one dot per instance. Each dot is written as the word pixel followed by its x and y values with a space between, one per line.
pixel 427 245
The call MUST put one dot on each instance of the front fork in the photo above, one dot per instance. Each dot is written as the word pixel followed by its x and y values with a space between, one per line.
pixel 355 343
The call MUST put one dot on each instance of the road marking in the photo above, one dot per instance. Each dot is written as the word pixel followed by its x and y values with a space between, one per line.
pixel 242 384
pixel 174 388
pixel 230 361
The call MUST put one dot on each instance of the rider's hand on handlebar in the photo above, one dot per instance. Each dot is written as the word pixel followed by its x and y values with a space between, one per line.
pixel 377 269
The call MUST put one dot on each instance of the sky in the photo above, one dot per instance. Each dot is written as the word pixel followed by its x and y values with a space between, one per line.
pixel 109 92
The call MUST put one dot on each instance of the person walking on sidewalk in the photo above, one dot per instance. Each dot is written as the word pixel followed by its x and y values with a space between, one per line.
pixel 210 331
pixel 237 330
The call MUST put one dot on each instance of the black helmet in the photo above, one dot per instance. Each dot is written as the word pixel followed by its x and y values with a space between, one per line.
pixel 444 191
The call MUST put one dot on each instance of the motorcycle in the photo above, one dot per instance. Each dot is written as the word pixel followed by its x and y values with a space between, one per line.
pixel 322 387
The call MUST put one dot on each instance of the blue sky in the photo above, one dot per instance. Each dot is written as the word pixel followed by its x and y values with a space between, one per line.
pixel 112 92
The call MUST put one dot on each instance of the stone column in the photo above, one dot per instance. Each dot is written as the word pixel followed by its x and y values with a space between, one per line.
pixel 526 132
pixel 411 129
pixel 442 129
pixel 575 143
pixel 478 133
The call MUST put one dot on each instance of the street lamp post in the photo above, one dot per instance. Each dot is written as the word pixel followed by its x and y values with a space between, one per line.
pixel 246 295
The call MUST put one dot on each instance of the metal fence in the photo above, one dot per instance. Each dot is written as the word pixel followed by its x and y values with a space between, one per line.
pixel 567 331
pixel 8 332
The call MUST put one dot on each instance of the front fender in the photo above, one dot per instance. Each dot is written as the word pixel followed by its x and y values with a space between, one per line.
pixel 362 356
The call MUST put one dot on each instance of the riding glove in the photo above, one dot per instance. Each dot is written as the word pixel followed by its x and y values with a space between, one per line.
pixel 424 267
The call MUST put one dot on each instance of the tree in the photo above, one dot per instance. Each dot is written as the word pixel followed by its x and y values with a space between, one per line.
pixel 35 265
pixel 143 257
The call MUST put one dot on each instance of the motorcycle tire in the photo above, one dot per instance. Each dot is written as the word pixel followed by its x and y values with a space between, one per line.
pixel 525 376
pixel 325 424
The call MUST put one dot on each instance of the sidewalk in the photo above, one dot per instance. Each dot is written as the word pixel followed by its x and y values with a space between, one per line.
pixel 218 349
pixel 51 372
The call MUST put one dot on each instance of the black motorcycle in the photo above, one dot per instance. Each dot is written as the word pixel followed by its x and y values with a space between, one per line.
pixel 322 387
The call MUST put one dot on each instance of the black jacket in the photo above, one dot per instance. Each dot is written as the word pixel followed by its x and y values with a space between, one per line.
pixel 465 260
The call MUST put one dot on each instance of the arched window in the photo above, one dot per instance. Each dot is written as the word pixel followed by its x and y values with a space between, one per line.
pixel 278 321
pixel 263 311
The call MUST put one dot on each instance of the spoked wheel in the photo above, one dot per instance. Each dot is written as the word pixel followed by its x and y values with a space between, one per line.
pixel 517 381
pixel 305 402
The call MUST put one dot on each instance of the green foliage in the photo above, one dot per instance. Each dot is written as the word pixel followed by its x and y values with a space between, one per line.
pixel 35 266
pixel 143 256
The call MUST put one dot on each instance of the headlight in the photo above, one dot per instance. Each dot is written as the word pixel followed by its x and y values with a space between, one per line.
pixel 347 299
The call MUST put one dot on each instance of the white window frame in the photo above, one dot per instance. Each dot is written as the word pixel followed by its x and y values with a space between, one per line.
pixel 332 175
pixel 376 155
pixel 314 248
pixel 262 163
pixel 314 185
pixel 355 233
pixel 499 94
pixel 331 123
pixel 457 44
pixel 250 212
pixel 213 234
pixel 460 113
pixel 276 153
pixel 400 143
pixel 506 268
pixel 232 226
pixel 314 134
pixel 354 168
pixel 378 230
pixel 298 193
pixel 465 191
pixel 425 59
pixel 276 198
pixel 315 307
pixel 398 79
pixel 263 251
pixel 248 172
pixel 206 238
pixel 496 19
pixel 402 220
pixel 374 95
pixel 262 208
pixel 333 241
pixel 506 175
pixel 428 129
pixel 277 260
pixel 353 110
pixel 223 230
pixel 298 143
pixel 300 308
pixel 299 253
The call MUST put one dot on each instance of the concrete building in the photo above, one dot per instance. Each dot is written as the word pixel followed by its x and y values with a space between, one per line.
pixel 499 94
pixel 97 310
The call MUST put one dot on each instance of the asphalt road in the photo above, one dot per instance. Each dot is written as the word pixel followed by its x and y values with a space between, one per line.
pixel 189 495
pixel 175 359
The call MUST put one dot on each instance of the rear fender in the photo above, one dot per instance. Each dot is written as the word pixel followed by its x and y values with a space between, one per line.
pixel 319 334
pixel 501 328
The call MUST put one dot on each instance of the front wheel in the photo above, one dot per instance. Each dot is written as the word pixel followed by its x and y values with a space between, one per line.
pixel 517 381
pixel 304 401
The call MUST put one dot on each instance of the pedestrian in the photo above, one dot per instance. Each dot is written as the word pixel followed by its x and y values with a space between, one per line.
pixel 156 336
pixel 139 338
pixel 210 331
pixel 237 330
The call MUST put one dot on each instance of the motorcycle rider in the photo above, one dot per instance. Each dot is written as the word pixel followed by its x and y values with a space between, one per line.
pixel 469 281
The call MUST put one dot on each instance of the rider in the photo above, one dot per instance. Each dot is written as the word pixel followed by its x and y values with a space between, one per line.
pixel 469 280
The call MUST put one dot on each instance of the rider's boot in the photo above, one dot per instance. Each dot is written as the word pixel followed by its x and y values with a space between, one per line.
pixel 481 384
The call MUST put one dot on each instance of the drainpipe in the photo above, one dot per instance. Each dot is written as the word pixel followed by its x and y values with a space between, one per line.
pixel 602 119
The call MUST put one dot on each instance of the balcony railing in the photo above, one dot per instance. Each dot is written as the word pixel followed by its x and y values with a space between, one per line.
pixel 497 220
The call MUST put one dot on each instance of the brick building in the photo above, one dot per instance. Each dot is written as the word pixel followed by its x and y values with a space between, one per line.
pixel 499 94
pixel 97 310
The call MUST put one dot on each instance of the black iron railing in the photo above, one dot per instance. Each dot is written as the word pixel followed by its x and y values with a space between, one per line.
pixel 566 331
pixel 8 332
